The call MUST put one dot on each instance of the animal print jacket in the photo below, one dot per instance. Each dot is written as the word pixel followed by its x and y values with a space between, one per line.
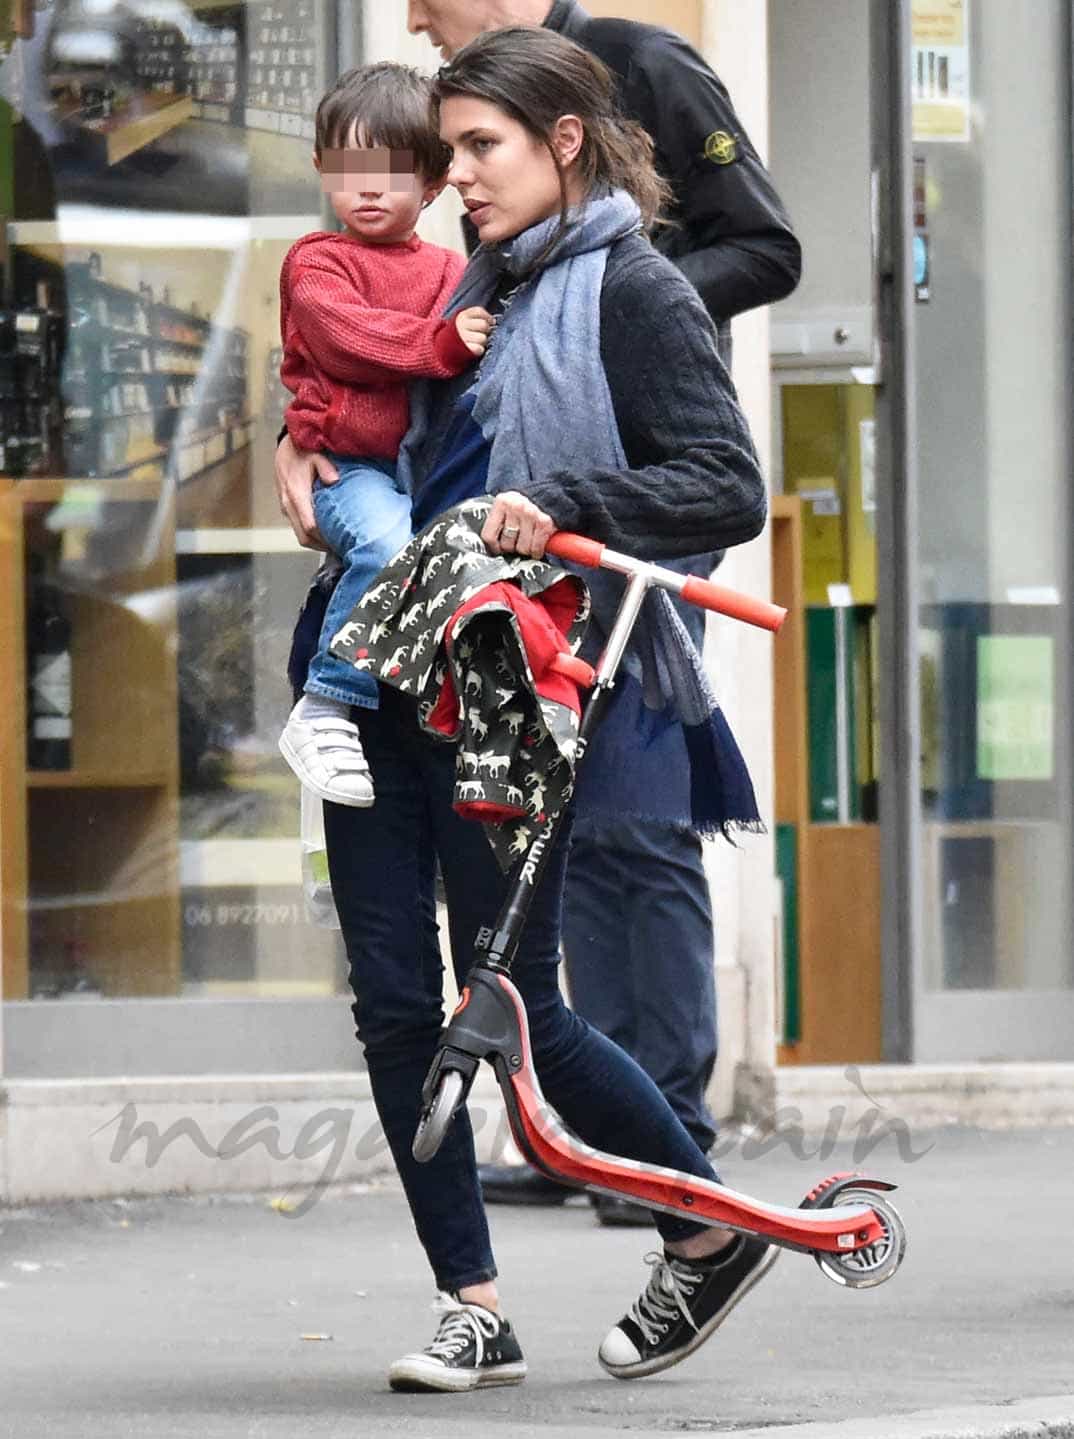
pixel 484 643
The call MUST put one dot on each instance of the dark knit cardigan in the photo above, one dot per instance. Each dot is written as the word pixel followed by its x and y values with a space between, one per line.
pixel 693 486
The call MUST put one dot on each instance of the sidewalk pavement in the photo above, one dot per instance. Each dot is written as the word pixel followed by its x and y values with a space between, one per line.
pixel 192 1319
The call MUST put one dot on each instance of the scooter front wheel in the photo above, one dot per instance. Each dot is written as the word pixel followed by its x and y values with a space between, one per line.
pixel 435 1118
pixel 877 1262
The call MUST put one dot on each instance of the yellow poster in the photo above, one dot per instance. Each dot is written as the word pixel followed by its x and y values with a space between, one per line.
pixel 940 77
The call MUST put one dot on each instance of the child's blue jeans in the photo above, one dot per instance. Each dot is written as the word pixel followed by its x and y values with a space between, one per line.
pixel 365 520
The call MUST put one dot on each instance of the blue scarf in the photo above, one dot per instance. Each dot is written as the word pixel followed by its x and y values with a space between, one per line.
pixel 542 401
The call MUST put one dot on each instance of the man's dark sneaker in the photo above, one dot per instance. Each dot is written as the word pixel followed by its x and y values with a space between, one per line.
pixel 615 1212
pixel 684 1302
pixel 519 1184
pixel 473 1349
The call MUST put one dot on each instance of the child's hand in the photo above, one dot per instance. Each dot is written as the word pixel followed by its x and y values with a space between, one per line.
pixel 474 327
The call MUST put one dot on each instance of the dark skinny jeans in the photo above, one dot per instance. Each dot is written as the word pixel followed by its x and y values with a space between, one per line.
pixel 382 863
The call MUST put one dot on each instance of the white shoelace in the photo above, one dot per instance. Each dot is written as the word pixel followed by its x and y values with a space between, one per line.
pixel 460 1324
pixel 666 1296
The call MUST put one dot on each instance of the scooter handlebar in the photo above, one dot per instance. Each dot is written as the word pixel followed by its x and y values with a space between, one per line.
pixel 576 548
pixel 582 551
pixel 733 603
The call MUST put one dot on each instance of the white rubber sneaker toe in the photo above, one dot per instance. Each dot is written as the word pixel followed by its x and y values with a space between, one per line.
pixel 618 1350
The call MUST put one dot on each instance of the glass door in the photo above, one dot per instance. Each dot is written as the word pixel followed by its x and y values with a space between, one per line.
pixel 990 384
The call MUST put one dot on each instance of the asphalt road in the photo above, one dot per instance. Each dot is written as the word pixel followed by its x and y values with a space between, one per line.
pixel 185 1318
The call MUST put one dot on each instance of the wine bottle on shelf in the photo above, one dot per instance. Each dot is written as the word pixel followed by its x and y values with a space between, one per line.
pixel 31 364
pixel 48 638
pixel 10 448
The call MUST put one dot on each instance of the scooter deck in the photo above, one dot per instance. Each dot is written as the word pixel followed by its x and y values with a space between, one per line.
pixel 492 1022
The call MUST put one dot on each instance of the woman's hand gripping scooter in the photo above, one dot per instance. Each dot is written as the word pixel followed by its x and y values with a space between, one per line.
pixel 854 1232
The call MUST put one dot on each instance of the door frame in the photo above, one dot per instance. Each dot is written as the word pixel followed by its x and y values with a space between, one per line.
pixel 896 487
pixel 916 1020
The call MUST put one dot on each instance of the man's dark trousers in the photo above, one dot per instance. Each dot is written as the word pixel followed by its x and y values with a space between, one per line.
pixel 638 952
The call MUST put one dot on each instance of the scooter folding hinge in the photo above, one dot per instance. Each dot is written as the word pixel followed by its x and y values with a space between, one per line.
pixel 496 944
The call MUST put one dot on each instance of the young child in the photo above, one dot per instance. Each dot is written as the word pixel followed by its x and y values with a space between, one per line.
pixel 360 314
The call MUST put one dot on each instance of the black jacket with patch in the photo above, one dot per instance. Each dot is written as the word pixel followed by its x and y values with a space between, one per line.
pixel 732 238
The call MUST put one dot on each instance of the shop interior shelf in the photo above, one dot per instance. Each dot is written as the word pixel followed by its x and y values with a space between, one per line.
pixel 109 825
pixel 187 316
pixel 150 457
pixel 197 346
pixel 97 779
pixel 145 119
pixel 45 489
pixel 126 333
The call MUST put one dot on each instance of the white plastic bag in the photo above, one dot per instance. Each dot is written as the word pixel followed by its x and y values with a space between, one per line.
pixel 316 885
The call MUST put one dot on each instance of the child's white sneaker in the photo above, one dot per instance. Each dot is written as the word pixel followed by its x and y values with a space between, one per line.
pixel 320 742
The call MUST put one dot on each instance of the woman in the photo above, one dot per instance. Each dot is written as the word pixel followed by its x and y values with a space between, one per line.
pixel 601 407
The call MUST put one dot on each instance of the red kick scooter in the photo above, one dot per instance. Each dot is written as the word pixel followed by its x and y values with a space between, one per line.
pixel 853 1232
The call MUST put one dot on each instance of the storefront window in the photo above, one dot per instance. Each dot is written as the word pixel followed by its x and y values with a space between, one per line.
pixel 154 169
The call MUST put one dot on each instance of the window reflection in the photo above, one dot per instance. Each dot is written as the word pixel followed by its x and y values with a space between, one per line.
pixel 156 158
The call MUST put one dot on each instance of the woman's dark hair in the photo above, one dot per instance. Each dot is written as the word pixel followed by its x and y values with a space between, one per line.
pixel 536 76
pixel 390 105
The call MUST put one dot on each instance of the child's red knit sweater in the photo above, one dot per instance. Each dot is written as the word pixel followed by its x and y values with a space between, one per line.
pixel 359 321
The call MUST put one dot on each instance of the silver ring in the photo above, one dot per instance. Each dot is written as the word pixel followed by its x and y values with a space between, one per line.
pixel 510 531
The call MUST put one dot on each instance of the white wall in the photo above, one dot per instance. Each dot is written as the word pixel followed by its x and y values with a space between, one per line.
pixel 819 154
pixel 385 37
pixel 735 42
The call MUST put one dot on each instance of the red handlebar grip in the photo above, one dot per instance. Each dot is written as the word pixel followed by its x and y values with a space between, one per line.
pixel 730 602
pixel 576 548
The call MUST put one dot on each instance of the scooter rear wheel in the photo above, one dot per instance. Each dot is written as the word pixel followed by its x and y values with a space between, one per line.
pixel 877 1262
pixel 433 1124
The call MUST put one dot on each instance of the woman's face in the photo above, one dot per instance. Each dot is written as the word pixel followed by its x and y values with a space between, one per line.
pixel 506 176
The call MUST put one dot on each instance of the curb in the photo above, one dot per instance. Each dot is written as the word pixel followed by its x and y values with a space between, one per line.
pixel 1046 1418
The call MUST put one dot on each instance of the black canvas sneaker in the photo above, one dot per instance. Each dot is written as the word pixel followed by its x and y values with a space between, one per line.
pixel 684 1302
pixel 473 1349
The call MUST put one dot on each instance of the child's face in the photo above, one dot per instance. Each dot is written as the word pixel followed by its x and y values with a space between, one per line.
pixel 375 192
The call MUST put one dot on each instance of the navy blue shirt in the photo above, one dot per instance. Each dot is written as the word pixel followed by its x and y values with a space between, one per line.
pixel 461 469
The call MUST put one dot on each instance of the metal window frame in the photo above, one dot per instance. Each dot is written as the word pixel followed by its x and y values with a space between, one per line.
pixel 1067 760
pixel 897 524
pixel 349 35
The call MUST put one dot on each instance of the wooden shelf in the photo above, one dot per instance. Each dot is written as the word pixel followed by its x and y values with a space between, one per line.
pixel 96 779
pixel 145 119
pixel 90 855
pixel 42 490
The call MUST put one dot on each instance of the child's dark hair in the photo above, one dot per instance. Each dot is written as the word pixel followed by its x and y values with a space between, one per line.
pixel 535 76
pixel 390 105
